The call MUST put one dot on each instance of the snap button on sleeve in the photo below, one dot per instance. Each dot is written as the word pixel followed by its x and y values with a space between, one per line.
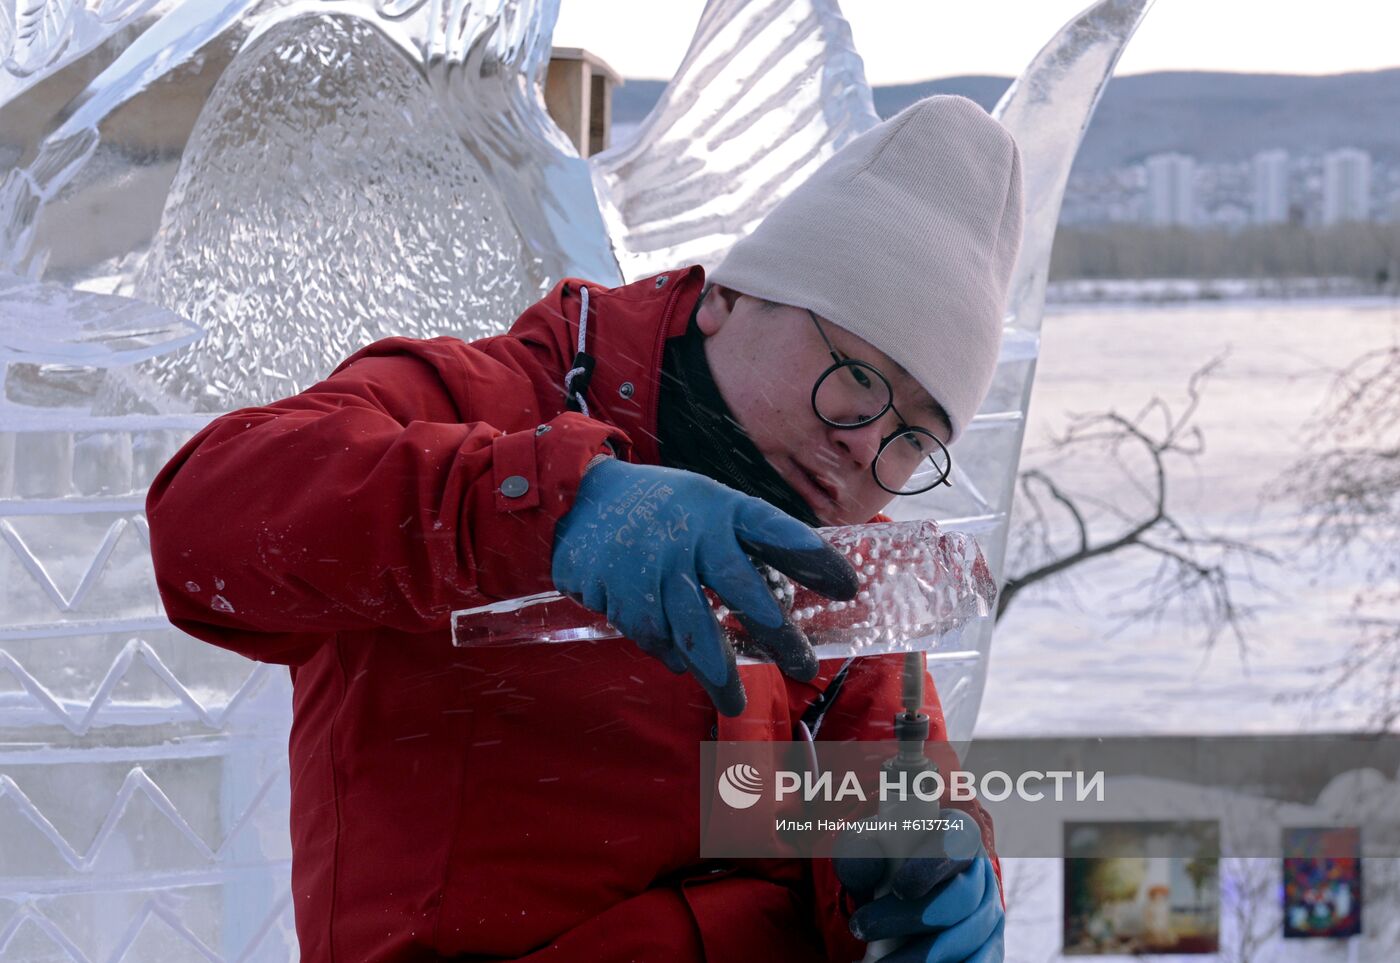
pixel 515 471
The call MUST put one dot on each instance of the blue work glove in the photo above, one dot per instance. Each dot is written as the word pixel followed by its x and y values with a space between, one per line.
pixel 640 544
pixel 944 908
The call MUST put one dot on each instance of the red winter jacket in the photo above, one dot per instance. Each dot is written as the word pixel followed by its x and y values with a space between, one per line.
pixel 531 802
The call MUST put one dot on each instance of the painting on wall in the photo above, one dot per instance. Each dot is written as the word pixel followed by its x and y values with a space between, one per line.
pixel 1321 882
pixel 1141 887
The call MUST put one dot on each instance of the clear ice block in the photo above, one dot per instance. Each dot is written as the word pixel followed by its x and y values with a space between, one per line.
pixel 919 588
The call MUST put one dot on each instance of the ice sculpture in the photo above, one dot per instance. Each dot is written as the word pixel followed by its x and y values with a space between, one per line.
pixel 297 178
pixel 323 129
pixel 116 777
pixel 732 131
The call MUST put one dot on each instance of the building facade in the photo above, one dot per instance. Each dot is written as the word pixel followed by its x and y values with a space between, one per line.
pixel 1270 187
pixel 1346 186
pixel 1171 190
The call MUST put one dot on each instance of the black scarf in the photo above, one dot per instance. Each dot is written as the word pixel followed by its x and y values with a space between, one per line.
pixel 696 431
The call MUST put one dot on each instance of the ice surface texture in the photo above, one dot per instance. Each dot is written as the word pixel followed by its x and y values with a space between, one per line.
pixel 297 179
pixel 40 37
pixel 322 137
pixel 767 91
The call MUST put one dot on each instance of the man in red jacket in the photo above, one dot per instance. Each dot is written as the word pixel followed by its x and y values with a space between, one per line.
pixel 628 446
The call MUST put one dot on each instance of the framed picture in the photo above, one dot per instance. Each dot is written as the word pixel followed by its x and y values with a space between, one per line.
pixel 1141 887
pixel 1321 882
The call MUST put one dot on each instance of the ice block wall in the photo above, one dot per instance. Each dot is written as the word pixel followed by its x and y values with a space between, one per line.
pixel 143 784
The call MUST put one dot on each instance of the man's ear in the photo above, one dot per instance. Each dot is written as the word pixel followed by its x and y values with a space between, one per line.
pixel 715 309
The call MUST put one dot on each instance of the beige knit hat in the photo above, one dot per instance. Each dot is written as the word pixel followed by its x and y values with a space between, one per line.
pixel 906 237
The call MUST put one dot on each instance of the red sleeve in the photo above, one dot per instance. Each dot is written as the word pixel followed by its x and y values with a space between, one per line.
pixel 373 498
pixel 864 710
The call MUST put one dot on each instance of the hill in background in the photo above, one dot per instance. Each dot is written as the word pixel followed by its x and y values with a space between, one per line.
pixel 1213 116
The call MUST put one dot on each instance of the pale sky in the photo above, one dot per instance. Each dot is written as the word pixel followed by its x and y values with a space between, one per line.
pixel 909 40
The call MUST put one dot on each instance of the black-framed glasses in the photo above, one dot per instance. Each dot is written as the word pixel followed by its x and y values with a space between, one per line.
pixel 852 394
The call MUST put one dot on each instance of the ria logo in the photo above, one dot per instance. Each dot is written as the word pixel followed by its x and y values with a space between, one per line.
pixel 740 785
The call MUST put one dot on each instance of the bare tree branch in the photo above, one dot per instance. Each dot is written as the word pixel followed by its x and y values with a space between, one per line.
pixel 1250 888
pixel 1348 487
pixel 1197 570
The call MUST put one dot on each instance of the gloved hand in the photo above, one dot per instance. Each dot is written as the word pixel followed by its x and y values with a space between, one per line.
pixel 642 541
pixel 946 908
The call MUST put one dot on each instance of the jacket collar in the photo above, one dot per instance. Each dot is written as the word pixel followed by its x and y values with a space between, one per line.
pixel 627 333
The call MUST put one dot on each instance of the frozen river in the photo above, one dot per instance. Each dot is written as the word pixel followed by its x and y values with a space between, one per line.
pixel 1060 662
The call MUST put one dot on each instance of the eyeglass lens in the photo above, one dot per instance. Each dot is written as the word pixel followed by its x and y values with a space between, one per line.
pixel 853 394
pixel 911 462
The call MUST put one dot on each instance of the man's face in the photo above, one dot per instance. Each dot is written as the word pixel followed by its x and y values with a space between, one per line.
pixel 765 360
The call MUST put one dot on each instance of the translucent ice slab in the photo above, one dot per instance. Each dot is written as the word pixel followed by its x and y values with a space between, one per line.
pixel 919 587
pixel 51 324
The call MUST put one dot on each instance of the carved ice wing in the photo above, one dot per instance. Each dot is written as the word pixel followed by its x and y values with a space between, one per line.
pixel 32 32
pixel 1047 109
pixel 40 37
pixel 768 90
pixel 51 324
pixel 484 59
pixel 325 200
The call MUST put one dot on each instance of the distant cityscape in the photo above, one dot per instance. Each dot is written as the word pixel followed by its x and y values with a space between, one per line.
pixel 1273 187
pixel 1288 185
pixel 1199 149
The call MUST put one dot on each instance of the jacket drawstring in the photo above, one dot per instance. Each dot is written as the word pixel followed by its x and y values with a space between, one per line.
pixel 576 381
